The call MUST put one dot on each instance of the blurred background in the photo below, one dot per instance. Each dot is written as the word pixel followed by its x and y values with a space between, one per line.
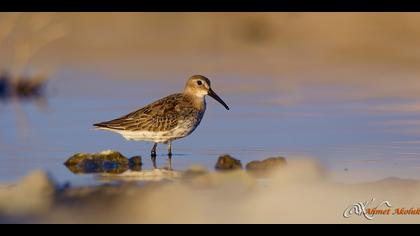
pixel 339 87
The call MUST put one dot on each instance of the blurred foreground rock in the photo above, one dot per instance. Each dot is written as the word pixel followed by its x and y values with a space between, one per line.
pixel 227 162
pixel 33 194
pixel 194 171
pixel 103 162
pixel 237 179
pixel 265 167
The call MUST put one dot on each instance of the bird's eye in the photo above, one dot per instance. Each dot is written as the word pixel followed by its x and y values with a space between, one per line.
pixel 199 82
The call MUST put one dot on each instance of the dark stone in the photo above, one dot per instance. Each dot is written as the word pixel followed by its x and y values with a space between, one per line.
pixel 109 166
pixel 111 156
pixel 104 162
pixel 135 163
pixel 90 166
pixel 226 162
pixel 267 165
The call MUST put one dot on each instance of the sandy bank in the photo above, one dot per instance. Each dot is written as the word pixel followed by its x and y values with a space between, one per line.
pixel 298 193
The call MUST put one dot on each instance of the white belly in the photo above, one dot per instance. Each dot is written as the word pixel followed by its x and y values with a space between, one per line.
pixel 157 137
pixel 180 131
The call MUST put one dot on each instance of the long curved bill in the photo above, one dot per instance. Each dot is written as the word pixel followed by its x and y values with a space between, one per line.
pixel 217 98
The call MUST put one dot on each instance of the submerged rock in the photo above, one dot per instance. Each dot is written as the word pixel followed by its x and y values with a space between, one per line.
pixel 105 162
pixel 226 162
pixel 265 166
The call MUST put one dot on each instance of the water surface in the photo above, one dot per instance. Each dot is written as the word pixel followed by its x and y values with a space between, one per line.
pixel 352 140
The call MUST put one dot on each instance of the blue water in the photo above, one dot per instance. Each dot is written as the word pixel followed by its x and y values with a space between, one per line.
pixel 344 136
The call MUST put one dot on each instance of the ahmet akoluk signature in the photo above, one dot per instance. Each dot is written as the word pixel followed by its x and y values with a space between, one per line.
pixel 369 211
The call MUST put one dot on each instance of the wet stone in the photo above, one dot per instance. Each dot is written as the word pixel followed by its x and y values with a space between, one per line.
pixel 227 162
pixel 135 163
pixel 105 162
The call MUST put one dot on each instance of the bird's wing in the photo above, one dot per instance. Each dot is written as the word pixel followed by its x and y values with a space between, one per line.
pixel 158 116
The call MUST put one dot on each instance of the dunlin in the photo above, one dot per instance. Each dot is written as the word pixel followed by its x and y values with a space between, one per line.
pixel 170 118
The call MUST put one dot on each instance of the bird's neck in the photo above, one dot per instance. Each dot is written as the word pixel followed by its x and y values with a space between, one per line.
pixel 198 101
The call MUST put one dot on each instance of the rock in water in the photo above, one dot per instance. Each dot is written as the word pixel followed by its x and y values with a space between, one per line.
pixel 265 166
pixel 135 163
pixel 109 155
pixel 104 162
pixel 226 162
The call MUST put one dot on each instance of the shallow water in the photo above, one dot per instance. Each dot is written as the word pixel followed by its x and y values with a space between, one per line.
pixel 346 137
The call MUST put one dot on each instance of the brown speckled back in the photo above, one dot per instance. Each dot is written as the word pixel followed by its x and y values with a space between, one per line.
pixel 162 115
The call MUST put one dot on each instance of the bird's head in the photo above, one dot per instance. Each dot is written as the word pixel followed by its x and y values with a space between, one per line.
pixel 200 86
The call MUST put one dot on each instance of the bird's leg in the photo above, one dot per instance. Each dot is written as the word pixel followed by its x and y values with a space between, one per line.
pixel 153 156
pixel 153 152
pixel 170 149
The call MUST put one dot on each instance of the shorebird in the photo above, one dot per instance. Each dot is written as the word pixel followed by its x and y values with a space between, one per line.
pixel 173 117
